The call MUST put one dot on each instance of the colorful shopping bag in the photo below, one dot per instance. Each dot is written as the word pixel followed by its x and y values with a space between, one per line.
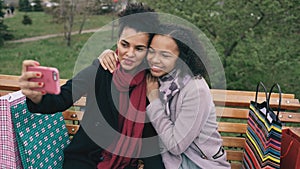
pixel 290 149
pixel 263 135
pixel 9 154
pixel 41 138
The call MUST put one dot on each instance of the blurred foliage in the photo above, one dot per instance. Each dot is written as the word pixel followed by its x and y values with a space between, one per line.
pixel 26 20
pixel 24 5
pixel 37 5
pixel 256 40
pixel 5 34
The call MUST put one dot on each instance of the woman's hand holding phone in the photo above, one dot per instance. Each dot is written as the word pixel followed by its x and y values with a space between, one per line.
pixel 37 80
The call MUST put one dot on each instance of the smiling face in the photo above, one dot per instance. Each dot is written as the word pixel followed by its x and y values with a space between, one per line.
pixel 162 55
pixel 132 48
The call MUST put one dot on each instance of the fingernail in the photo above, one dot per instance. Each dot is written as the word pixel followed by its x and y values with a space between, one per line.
pixel 40 83
pixel 43 92
pixel 38 74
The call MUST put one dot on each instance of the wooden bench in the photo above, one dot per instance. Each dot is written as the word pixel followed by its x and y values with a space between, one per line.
pixel 233 123
pixel 232 108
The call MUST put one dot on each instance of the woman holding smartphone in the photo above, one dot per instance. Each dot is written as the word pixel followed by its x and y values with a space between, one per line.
pixel 108 96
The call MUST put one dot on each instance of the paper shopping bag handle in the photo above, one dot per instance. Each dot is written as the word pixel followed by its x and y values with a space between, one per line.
pixel 279 103
pixel 266 93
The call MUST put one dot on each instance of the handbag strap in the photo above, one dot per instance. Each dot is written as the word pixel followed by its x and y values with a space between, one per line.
pixel 279 103
pixel 266 93
pixel 288 149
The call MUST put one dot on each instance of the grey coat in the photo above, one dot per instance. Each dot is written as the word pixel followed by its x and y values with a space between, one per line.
pixel 189 127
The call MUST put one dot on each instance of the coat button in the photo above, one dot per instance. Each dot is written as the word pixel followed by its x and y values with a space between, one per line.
pixel 203 156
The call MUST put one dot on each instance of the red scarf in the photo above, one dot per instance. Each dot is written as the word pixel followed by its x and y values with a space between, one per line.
pixel 131 121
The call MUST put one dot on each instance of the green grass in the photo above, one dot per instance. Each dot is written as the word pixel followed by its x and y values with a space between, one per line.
pixel 43 24
pixel 53 52
pixel 50 52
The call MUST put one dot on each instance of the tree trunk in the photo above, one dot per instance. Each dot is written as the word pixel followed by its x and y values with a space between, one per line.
pixel 69 20
pixel 85 13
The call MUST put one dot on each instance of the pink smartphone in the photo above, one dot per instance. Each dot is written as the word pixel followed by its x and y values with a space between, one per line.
pixel 50 78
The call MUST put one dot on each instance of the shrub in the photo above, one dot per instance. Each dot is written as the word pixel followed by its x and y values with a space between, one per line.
pixel 26 20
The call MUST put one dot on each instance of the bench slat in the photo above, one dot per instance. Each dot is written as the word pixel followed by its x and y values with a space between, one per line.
pixel 288 104
pixel 233 98
pixel 244 101
pixel 289 117
pixel 80 102
pixel 236 165
pixel 73 115
pixel 228 127
pixel 233 141
pixel 239 113
pixel 11 82
pixel 235 113
pixel 72 128
pixel 249 93
pixel 235 155
pixel 4 92
pixel 213 91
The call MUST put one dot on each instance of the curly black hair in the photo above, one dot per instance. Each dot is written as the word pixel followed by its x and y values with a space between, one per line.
pixel 191 50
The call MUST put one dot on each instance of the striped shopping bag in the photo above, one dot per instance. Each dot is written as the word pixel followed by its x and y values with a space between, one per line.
pixel 263 135
pixel 9 154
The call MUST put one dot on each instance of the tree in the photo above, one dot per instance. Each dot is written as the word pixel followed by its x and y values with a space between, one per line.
pixel 65 14
pixel 4 33
pixel 24 5
pixel 68 11
pixel 26 20
pixel 3 27
pixel 1 10
pixel 85 13
pixel 37 5
pixel 256 40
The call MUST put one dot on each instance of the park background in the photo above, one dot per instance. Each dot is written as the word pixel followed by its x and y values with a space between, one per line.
pixel 257 40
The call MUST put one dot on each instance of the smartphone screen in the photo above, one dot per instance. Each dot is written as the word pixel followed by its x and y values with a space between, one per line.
pixel 50 78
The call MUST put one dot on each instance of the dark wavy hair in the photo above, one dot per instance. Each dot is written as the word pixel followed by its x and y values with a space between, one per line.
pixel 138 16
pixel 191 51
